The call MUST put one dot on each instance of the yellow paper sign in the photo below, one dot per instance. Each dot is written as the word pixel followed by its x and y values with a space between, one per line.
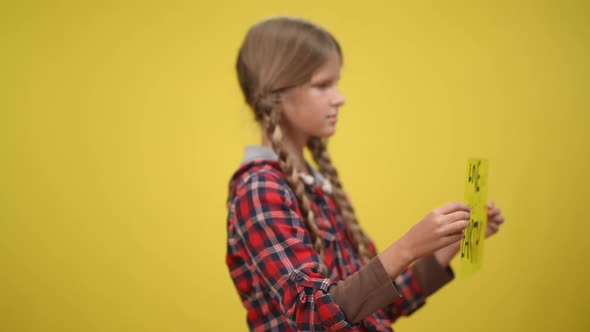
pixel 476 188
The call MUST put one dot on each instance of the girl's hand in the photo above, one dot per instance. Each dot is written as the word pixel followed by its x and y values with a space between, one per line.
pixel 495 219
pixel 440 228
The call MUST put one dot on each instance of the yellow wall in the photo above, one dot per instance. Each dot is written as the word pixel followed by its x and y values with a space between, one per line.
pixel 120 126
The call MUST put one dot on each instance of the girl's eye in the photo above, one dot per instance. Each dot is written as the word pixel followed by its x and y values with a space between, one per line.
pixel 323 86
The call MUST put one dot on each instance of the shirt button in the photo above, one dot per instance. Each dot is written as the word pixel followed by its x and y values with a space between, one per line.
pixel 299 277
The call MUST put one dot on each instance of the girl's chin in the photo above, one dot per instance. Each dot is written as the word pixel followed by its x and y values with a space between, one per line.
pixel 328 133
pixel 324 132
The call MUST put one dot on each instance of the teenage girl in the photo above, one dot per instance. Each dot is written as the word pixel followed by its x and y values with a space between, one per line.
pixel 296 253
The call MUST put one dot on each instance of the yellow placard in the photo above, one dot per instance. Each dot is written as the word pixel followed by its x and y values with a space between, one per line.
pixel 476 188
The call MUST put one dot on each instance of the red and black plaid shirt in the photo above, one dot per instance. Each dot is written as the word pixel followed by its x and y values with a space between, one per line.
pixel 275 268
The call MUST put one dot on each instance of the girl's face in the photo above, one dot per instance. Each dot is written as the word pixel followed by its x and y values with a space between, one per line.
pixel 311 109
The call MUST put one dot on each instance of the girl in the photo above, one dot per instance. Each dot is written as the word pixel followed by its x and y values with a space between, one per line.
pixel 296 253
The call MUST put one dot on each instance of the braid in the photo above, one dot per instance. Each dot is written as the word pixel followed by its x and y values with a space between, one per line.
pixel 267 109
pixel 322 158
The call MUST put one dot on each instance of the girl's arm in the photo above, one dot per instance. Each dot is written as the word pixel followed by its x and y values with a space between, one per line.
pixel 434 271
pixel 413 283
pixel 416 283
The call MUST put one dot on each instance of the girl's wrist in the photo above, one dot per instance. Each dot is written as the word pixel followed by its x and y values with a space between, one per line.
pixel 396 258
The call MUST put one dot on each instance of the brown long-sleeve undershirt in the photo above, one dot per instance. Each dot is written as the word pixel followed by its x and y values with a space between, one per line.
pixel 371 288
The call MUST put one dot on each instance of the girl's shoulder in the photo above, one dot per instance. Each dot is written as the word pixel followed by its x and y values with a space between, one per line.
pixel 268 169
pixel 258 161
pixel 257 173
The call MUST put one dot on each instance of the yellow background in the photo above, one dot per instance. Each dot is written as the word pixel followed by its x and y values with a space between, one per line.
pixel 121 123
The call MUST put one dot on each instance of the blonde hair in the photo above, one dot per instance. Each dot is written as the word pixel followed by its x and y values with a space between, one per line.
pixel 279 53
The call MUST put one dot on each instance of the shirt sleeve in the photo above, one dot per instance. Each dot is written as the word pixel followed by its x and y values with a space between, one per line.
pixel 416 283
pixel 431 275
pixel 281 253
pixel 365 291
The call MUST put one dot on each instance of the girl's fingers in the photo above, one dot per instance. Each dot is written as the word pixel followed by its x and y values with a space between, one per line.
pixel 456 216
pixel 491 230
pixel 455 228
pixel 452 207
pixel 493 212
pixel 496 219
pixel 453 238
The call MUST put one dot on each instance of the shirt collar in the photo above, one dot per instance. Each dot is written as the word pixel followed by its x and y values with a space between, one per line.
pixel 256 152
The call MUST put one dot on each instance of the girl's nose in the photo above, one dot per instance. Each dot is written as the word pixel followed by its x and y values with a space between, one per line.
pixel 338 99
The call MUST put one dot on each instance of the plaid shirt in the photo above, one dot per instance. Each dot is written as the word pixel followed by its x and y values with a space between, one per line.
pixel 276 270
